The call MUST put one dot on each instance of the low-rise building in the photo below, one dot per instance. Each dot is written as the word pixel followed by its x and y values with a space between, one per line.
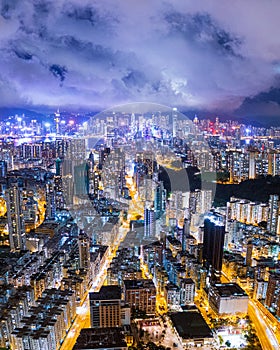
pixel 191 328
pixel 101 339
pixel 228 298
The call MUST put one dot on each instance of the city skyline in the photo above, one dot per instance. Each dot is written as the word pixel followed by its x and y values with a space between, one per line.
pixel 157 231
pixel 199 56
pixel 139 175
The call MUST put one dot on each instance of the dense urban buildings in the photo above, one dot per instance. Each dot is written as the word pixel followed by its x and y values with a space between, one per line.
pixel 112 236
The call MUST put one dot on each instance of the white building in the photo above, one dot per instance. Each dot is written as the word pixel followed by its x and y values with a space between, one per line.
pixel 260 289
pixel 187 291
pixel 228 298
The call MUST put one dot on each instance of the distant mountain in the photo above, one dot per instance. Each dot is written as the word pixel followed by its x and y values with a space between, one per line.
pixel 6 112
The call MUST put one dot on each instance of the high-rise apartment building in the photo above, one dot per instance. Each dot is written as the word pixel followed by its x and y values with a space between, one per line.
pixel 16 227
pixel 50 201
pixel 272 299
pixel 140 294
pixel 84 253
pixel 273 212
pixel 187 291
pixel 105 307
pixel 252 165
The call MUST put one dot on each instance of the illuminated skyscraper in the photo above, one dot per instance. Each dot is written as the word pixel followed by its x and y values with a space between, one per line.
pixel 149 222
pixel 17 236
pixel 213 243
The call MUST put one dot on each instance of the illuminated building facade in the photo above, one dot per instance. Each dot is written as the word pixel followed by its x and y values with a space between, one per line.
pixel 105 307
pixel 141 294
pixel 17 236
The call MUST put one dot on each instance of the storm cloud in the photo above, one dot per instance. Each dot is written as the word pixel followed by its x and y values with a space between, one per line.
pixel 206 55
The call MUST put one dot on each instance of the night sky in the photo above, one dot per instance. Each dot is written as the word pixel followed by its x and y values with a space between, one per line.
pixel 204 55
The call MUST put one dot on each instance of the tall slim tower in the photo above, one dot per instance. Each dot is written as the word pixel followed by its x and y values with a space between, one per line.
pixel 174 122
pixel 186 232
pixel 84 250
pixel 213 244
pixel 160 200
pixel 57 121
pixel 252 165
pixel 149 222
pixel 16 227
pixel 50 200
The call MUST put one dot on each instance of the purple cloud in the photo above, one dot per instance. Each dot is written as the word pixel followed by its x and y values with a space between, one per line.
pixel 210 55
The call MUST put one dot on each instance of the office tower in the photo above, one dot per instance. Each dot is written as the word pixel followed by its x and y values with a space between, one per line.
pixel 16 227
pixel 213 243
pixel 81 180
pixel 252 165
pixel 272 221
pixel 84 253
pixel 272 299
pixel 105 307
pixel 149 222
pixel 160 200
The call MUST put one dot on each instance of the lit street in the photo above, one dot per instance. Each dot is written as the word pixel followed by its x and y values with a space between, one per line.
pixel 265 335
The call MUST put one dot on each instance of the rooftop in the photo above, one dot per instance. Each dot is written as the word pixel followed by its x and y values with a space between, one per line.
pixel 138 284
pixel 106 293
pixel 229 289
pixel 100 338
pixel 191 325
